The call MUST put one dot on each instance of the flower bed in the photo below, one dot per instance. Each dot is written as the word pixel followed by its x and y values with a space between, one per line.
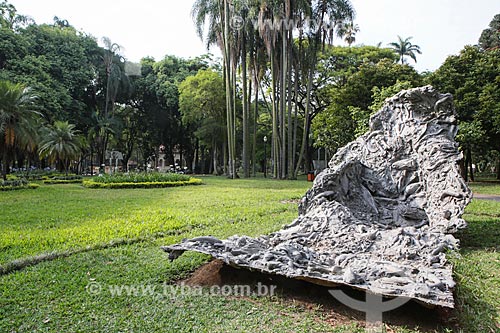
pixel 63 180
pixel 140 180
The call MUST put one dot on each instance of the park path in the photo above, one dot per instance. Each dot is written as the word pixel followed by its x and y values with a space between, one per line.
pixel 493 197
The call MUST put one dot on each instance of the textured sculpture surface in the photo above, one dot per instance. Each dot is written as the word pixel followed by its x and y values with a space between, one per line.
pixel 380 217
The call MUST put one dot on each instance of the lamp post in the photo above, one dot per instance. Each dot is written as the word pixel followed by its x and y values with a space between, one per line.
pixel 265 156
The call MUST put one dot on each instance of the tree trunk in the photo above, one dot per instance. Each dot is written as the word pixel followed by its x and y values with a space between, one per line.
pixel 305 143
pixel 466 165
pixel 275 134
pixel 291 152
pixel 229 93
pixel 255 119
pixel 5 167
pixel 283 94
pixel 471 169
pixel 295 121
pixel 246 159
pixel 498 168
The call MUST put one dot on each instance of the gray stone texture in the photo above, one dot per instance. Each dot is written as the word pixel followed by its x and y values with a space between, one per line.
pixel 380 218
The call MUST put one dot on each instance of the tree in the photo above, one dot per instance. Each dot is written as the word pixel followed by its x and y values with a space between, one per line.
pixel 472 77
pixel 202 105
pixel 10 19
pixel 336 12
pixel 17 120
pixel 348 31
pixel 60 143
pixel 127 133
pixel 404 48
pixel 490 37
pixel 356 92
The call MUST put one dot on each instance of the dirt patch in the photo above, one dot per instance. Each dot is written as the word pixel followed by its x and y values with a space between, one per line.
pixel 310 297
pixel 291 201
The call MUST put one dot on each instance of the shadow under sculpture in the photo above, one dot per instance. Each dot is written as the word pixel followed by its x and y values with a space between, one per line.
pixel 380 217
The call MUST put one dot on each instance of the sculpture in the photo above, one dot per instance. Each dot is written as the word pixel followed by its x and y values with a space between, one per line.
pixel 381 216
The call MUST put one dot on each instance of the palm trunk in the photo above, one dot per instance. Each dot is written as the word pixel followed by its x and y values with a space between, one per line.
pixel 275 135
pixel 246 159
pixel 283 94
pixel 229 92
pixel 289 102
pixel 255 118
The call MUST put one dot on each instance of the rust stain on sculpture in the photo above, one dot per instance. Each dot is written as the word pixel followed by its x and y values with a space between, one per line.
pixel 380 217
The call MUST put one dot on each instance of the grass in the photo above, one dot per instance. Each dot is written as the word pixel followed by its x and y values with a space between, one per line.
pixel 486 186
pixel 112 237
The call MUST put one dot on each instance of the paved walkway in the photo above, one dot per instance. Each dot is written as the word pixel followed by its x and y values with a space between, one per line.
pixel 487 197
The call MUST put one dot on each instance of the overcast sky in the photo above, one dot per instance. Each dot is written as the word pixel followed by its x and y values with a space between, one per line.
pixel 160 27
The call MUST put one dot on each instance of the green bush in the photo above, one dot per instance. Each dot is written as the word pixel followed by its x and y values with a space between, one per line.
pixel 16 184
pixel 62 181
pixel 40 174
pixel 152 177
pixel 114 185
pixel 70 179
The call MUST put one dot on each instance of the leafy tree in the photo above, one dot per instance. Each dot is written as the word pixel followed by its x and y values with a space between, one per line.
pixel 356 97
pixel 404 48
pixel 156 97
pixel 470 135
pixel 202 103
pixel 490 37
pixel 61 143
pixel 10 19
pixel 473 78
pixel 127 132
pixel 379 95
pixel 17 120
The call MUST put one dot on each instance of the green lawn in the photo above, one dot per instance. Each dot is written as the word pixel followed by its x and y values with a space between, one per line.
pixel 112 237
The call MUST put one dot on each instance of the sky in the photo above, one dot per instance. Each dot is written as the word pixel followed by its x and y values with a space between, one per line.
pixel 160 27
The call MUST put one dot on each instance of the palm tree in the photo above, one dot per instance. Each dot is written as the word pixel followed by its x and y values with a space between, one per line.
pixel 116 81
pixel 219 13
pixel 324 11
pixel 404 48
pixel 348 31
pixel 17 120
pixel 60 143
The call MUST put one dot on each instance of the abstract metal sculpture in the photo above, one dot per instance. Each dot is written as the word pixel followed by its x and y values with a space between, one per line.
pixel 381 216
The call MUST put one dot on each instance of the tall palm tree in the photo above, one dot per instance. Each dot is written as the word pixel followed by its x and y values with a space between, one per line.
pixel 17 120
pixel 404 48
pixel 348 31
pixel 116 80
pixel 326 13
pixel 219 13
pixel 60 143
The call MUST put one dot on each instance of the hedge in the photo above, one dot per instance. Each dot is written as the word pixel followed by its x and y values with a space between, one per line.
pixel 62 181
pixel 93 184
pixel 31 186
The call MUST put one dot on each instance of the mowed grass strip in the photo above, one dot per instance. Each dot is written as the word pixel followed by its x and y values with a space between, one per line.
pixel 70 217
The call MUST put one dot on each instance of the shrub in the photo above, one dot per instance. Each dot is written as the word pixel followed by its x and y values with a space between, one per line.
pixel 70 179
pixel 40 174
pixel 158 184
pixel 140 178
pixel 62 181
pixel 16 184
